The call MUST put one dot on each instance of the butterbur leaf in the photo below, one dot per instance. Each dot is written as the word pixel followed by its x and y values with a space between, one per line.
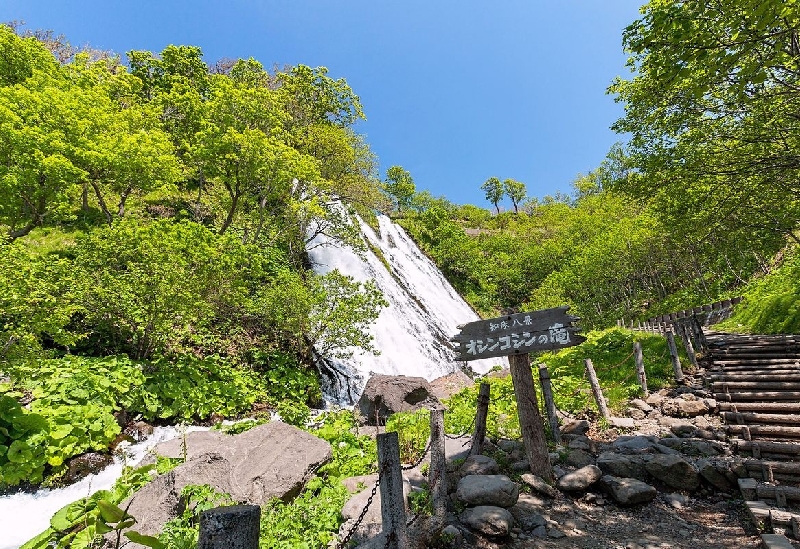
pixel 110 512
pixel 147 541
pixel 101 527
pixel 69 515
pixel 39 542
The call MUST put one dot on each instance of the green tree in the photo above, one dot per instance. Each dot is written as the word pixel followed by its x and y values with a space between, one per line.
pixel 494 190
pixel 399 185
pixel 711 110
pixel 515 191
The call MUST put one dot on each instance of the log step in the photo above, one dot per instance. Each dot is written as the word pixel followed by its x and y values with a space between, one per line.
pixel 757 395
pixel 743 418
pixel 777 407
pixel 783 431
pixel 760 448
pixel 731 386
pixel 767 376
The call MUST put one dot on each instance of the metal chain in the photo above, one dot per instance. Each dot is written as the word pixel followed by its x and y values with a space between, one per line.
pixel 466 432
pixel 424 453
pixel 346 538
pixel 431 486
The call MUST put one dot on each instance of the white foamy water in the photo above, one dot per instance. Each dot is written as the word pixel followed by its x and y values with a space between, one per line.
pixel 424 310
pixel 23 516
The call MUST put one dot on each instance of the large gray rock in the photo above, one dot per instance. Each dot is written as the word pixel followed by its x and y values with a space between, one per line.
pixel 352 509
pixel 492 490
pixel 716 473
pixel 580 480
pixel 681 407
pixel 268 461
pixel 674 471
pixel 575 427
pixel 488 520
pixel 620 465
pixel 628 491
pixel 385 395
pixel 479 465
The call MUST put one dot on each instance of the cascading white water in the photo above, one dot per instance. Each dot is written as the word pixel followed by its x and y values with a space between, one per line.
pixel 424 310
pixel 25 515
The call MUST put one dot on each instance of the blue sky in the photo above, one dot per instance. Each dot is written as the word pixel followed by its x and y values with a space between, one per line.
pixel 454 91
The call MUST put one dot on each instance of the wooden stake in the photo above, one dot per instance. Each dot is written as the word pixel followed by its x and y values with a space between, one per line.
pixel 596 390
pixel 549 403
pixel 480 420
pixel 640 373
pixel 438 468
pixel 673 353
pixel 687 344
pixel 393 508
pixel 530 421
pixel 235 527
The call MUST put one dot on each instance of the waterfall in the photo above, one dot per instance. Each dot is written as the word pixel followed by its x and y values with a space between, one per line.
pixel 413 333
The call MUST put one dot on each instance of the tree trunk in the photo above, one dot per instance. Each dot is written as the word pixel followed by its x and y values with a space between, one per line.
pixel 102 202
pixel 123 197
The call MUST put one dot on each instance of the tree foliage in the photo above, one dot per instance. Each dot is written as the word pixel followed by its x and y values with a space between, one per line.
pixel 712 113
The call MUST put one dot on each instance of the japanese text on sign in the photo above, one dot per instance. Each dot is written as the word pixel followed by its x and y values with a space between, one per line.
pixel 556 334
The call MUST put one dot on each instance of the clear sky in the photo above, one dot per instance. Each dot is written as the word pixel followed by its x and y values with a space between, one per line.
pixel 455 91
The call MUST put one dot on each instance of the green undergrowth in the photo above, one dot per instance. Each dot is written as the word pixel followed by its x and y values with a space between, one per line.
pixel 73 404
pixel 771 303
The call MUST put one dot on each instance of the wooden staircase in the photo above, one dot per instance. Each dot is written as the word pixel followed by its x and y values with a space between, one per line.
pixel 756 382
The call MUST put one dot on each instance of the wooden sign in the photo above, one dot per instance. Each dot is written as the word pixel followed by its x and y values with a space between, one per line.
pixel 516 334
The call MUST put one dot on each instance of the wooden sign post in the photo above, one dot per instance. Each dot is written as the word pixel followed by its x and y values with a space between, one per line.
pixel 516 335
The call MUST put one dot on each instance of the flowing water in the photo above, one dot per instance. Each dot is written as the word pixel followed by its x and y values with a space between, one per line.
pixel 25 515
pixel 412 333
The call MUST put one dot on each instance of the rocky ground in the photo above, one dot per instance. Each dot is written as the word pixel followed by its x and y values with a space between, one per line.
pixel 666 477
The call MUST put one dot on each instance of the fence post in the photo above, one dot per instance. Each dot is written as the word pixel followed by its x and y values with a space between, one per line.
pixel 687 343
pixel 673 353
pixel 480 420
pixel 438 468
pixel 549 403
pixel 393 505
pixel 596 390
pixel 234 527
pixel 640 373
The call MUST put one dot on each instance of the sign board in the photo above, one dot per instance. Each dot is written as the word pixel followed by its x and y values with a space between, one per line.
pixel 517 334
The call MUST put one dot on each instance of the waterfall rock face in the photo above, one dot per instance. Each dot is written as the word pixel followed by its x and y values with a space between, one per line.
pixel 413 333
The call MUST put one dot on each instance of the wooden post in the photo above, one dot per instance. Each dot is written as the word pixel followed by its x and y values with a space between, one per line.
pixel 673 353
pixel 480 420
pixel 640 373
pixel 549 403
pixel 393 507
pixel 596 390
pixel 235 527
pixel 687 344
pixel 530 421
pixel 438 468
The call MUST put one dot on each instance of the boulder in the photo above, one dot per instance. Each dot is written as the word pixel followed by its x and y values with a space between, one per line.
pixel 682 407
pixel 580 480
pixel 641 405
pixel 86 464
pixel 385 395
pixel 623 422
pixel 579 458
pixel 716 474
pixel 539 485
pixel 620 465
pixel 674 471
pixel 635 445
pixel 446 386
pixel 352 509
pixel 492 490
pixel 479 465
pixel 627 491
pixel 575 427
pixel 488 520
pixel 271 460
